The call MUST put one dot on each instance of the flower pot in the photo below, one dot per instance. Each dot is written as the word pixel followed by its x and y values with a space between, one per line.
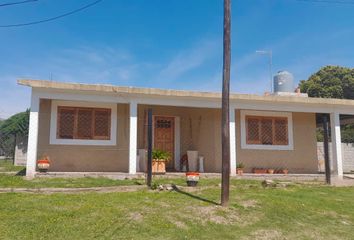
pixel 259 171
pixel 239 171
pixel 192 161
pixel 158 166
pixel 284 171
pixel 192 179
pixel 43 165
pixel 270 171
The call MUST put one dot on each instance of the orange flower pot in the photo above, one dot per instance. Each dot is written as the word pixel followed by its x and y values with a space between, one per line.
pixel 158 166
pixel 239 171
pixel 43 165
pixel 192 178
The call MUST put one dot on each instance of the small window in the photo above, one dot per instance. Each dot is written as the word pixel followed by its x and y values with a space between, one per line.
pixel 84 123
pixel 262 130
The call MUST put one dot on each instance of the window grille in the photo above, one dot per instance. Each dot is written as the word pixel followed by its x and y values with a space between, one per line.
pixel 163 124
pixel 267 130
pixel 102 123
pixel 83 123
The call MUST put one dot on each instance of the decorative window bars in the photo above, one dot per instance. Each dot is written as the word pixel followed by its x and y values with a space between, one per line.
pixel 262 130
pixel 83 123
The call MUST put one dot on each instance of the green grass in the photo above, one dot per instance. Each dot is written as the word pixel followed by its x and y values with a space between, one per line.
pixel 7 166
pixel 7 181
pixel 298 212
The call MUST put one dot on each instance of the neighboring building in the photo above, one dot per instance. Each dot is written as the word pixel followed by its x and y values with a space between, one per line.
pixel 100 128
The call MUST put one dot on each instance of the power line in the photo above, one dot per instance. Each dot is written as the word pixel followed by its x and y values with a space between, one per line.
pixel 327 1
pixel 15 3
pixel 52 18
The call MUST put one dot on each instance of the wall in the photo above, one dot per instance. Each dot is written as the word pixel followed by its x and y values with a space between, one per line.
pixel 206 132
pixel 347 152
pixel 200 130
pixel 75 158
pixel 303 159
pixel 21 151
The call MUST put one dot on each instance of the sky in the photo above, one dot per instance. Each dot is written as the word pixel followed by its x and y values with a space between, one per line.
pixel 170 44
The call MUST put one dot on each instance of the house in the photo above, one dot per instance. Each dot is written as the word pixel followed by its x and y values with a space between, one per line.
pixel 100 128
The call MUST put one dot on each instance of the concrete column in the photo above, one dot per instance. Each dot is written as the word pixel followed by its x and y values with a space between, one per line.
pixel 32 137
pixel 232 142
pixel 336 145
pixel 133 132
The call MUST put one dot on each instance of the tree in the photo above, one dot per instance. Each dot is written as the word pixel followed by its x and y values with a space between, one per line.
pixel 330 82
pixel 16 125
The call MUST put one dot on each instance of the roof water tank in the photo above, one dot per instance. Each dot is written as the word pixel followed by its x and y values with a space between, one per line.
pixel 283 82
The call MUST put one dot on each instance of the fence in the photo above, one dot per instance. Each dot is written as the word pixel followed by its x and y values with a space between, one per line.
pixel 14 148
pixel 347 152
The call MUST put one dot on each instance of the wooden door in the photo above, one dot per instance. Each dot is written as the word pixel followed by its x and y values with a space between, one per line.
pixel 164 137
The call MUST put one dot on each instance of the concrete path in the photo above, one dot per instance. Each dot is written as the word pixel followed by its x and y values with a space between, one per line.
pixel 132 188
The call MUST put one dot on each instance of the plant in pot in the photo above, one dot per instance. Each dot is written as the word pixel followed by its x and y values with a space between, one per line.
pixel 43 164
pixel 192 178
pixel 159 159
pixel 239 168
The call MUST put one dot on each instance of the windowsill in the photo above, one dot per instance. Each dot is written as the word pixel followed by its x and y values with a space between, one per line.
pixel 82 142
pixel 267 147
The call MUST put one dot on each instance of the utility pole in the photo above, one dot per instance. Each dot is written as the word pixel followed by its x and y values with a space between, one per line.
pixel 225 138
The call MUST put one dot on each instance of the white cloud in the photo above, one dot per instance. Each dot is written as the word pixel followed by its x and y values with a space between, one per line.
pixel 189 59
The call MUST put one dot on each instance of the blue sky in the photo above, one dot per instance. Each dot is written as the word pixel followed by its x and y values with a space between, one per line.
pixel 168 44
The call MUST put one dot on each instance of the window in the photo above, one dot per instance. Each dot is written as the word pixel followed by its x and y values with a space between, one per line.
pixel 83 123
pixel 267 130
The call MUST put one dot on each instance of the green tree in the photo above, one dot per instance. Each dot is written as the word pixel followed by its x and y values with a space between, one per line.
pixel 15 126
pixel 332 82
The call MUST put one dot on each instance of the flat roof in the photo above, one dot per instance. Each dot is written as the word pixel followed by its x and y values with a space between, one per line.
pixel 104 88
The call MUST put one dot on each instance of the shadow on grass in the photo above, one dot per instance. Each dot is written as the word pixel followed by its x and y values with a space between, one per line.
pixel 21 173
pixel 175 188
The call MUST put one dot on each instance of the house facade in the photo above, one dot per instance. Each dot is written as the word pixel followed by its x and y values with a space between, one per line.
pixel 101 128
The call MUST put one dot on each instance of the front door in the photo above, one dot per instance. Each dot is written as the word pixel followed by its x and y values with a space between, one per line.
pixel 164 137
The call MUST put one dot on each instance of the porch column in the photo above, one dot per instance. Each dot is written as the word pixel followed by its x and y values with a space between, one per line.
pixel 32 137
pixel 232 143
pixel 133 132
pixel 336 145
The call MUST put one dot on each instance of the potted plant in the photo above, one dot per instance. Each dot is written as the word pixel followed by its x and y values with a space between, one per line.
pixel 43 164
pixel 159 159
pixel 192 178
pixel 239 168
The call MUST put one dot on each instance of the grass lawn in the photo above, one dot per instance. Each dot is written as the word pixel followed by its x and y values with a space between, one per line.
pixel 7 166
pixel 297 212
pixel 7 181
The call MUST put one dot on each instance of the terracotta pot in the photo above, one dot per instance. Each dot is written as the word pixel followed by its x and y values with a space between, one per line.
pixel 285 171
pixel 192 178
pixel 259 171
pixel 158 166
pixel 43 165
pixel 239 171
pixel 270 171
